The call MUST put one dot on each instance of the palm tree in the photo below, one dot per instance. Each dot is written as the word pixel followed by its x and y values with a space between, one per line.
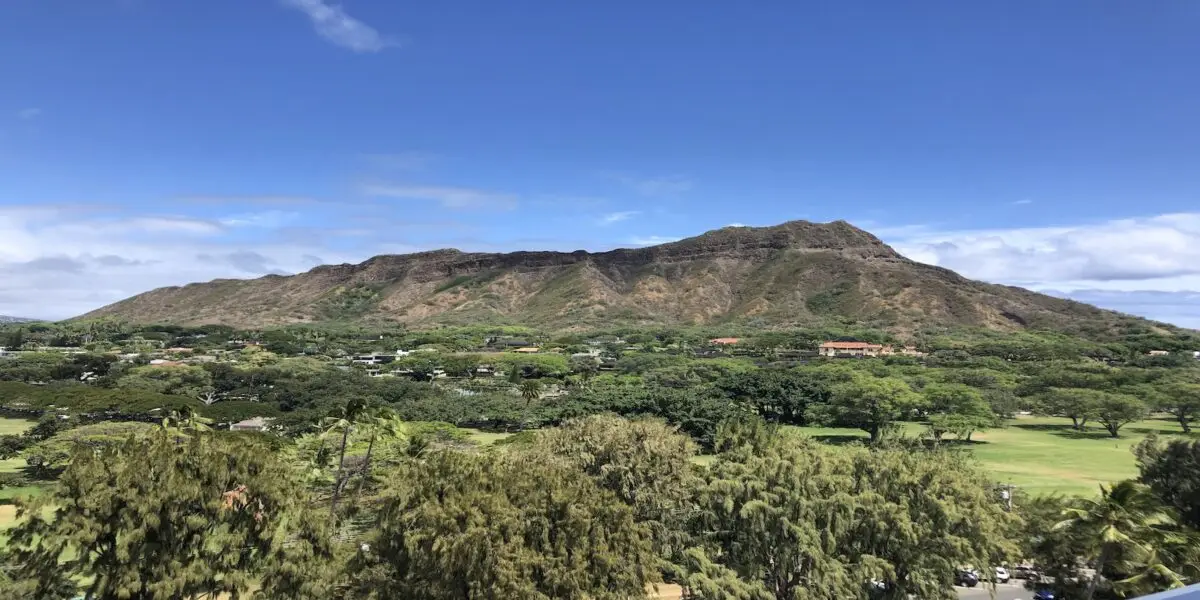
pixel 531 389
pixel 381 422
pixel 186 419
pixel 343 421
pixel 1120 528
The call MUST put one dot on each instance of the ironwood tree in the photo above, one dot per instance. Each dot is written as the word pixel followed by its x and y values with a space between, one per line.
pixel 495 525
pixel 786 519
pixel 159 516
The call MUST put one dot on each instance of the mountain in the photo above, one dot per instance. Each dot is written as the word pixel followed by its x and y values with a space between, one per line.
pixel 794 273
pixel 5 319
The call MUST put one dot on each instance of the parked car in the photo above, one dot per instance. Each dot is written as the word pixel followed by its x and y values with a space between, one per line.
pixel 966 578
pixel 1043 594
pixel 1026 572
pixel 1002 575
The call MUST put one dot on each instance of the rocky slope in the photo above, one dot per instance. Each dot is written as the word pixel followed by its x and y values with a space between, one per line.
pixel 795 273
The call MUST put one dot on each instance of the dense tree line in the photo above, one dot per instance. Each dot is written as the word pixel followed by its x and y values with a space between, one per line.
pixel 601 507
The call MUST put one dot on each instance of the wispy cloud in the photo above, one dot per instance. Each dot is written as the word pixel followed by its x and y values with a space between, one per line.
pixel 1022 202
pixel 617 217
pixel 28 114
pixel 656 187
pixel 458 198
pixel 269 219
pixel 246 200
pixel 651 240
pixel 332 23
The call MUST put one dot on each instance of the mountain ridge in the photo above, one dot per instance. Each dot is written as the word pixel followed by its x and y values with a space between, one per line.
pixel 797 272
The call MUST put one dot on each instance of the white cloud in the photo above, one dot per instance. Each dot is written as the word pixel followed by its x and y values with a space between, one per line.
pixel 60 262
pixel 655 187
pixel 617 217
pixel 1130 259
pixel 458 198
pixel 339 28
pixel 1122 254
pixel 29 113
pixel 651 240
pixel 737 225
pixel 1022 202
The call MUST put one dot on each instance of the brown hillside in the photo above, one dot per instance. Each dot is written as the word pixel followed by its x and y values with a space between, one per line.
pixel 795 273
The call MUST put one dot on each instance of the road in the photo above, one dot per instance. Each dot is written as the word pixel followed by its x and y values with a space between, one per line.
pixel 1004 591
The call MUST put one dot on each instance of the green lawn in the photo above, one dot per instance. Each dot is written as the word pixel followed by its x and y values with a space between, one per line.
pixel 1043 454
pixel 483 438
pixel 12 465
pixel 14 426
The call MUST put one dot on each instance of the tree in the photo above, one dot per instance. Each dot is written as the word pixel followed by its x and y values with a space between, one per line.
pixel 343 421
pixel 1077 404
pixel 158 516
pixel 1115 411
pixel 868 403
pixel 461 365
pixel 584 366
pixel 188 381
pixel 185 420
pixel 645 463
pixel 493 525
pixel 1172 470
pixel 531 389
pixel 1182 400
pixel 785 518
pixel 956 408
pixel 778 394
pixel 379 422
pixel 1122 525
pixel 13 340
pixel 208 396
pixel 1055 551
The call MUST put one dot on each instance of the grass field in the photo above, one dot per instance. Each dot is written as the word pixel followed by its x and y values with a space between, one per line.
pixel 484 438
pixel 14 426
pixel 12 465
pixel 1037 454
pixel 1043 454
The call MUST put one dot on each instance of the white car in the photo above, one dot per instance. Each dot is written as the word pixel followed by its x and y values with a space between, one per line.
pixel 1002 575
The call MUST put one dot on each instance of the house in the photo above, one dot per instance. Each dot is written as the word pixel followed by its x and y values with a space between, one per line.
pixel 725 341
pixel 851 349
pixel 159 362
pixel 1157 353
pixel 497 342
pixel 376 358
pixel 527 350
pixel 901 351
pixel 255 424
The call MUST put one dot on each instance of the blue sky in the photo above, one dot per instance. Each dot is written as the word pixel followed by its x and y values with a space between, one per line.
pixel 153 142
